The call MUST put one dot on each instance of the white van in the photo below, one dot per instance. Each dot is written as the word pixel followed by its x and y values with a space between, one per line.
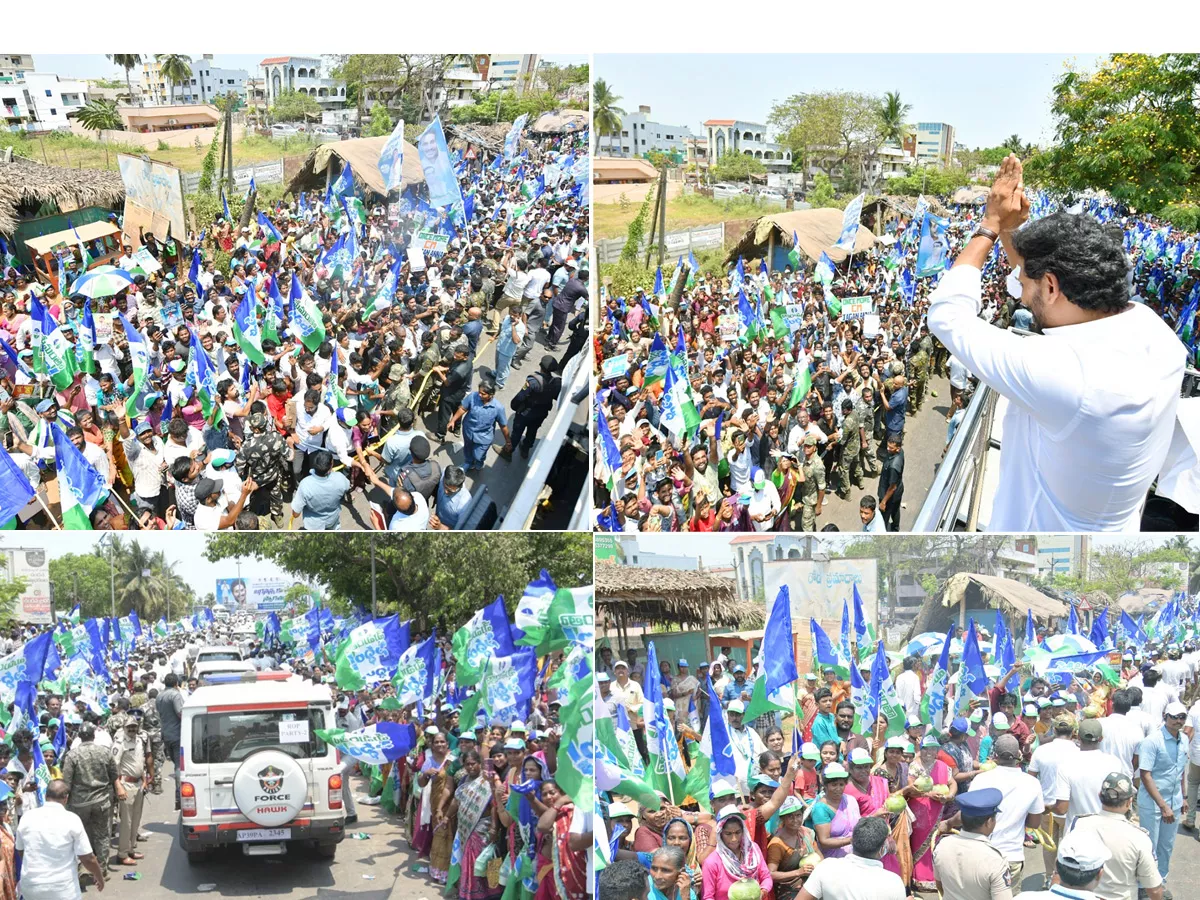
pixel 253 773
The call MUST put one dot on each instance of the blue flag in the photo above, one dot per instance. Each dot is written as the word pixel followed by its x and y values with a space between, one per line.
pixel 779 661
pixel 415 672
pixel 1030 631
pixel 1131 629
pixel 844 641
pixel 41 657
pixel 15 489
pixel 1072 621
pixel 270 229
pixel 225 206
pixel 488 635
pixel 1099 634
pixel 973 679
pixel 721 760
pixel 822 647
pixel 860 619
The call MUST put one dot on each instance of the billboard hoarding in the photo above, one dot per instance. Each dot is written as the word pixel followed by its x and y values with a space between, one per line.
pixel 33 567
pixel 253 595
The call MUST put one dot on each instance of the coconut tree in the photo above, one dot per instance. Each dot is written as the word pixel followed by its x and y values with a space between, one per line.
pixel 1012 144
pixel 140 582
pixel 176 69
pixel 892 112
pixel 100 115
pixel 605 112
pixel 127 61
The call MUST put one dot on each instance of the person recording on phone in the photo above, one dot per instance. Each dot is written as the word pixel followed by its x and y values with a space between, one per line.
pixel 1092 395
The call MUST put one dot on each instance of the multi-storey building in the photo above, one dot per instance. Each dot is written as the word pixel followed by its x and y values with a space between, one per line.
pixel 749 138
pixel 640 135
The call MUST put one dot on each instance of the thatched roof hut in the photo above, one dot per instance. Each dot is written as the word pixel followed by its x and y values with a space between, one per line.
pixel 977 592
pixel 816 229
pixel 972 195
pixel 24 182
pixel 490 137
pixel 1145 601
pixel 561 121
pixel 363 156
pixel 637 594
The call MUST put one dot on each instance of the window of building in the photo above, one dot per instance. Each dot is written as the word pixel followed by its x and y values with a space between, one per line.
pixel 670 137
pixel 53 111
pixel 624 134
pixel 48 94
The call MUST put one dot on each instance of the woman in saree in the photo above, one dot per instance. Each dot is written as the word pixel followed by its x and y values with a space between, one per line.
pixel 790 844
pixel 519 814
pixel 928 809
pixel 786 482
pixel 834 814
pixel 433 782
pixel 871 792
pixel 668 880
pixel 568 862
pixel 472 808
pixel 8 865
pixel 736 858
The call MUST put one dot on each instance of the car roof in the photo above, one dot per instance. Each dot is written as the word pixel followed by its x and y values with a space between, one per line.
pixel 221 648
pixel 297 690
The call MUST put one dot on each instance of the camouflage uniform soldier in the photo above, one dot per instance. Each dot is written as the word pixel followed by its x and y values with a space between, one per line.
pixel 941 358
pixel 265 457
pixel 152 730
pixel 431 355
pixel 90 772
pixel 865 410
pixel 812 484
pixel 397 396
pixel 918 377
pixel 852 441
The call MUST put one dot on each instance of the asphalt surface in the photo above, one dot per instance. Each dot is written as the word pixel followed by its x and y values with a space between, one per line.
pixel 924 441
pixel 373 869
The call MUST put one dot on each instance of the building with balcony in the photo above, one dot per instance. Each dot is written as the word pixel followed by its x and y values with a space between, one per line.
pixel 640 135
pixel 749 138
pixel 304 74
pixel 50 99
pixel 13 66
pixel 934 143
pixel 207 83
pixel 15 112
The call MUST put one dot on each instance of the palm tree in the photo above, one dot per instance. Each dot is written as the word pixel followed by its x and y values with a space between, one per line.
pixel 606 114
pixel 176 69
pixel 1012 144
pixel 892 112
pixel 140 582
pixel 100 115
pixel 127 61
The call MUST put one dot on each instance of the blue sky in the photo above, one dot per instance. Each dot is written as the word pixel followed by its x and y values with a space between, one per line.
pixel 986 97
pixel 96 65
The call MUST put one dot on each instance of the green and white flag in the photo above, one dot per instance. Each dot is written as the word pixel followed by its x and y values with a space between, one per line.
pixel 307 322
pixel 679 415
pixel 532 616
pixel 58 356
pixel 576 764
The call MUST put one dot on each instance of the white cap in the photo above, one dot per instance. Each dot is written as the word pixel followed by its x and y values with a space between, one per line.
pixel 1000 722
pixel 668 703
pixel 620 662
pixel 617 809
pixel 603 677
pixel 1175 708
pixel 1083 850
pixel 736 706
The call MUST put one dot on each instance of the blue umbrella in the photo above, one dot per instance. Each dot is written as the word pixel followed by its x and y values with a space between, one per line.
pixel 102 281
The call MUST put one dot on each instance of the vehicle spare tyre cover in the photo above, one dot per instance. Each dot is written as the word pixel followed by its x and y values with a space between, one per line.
pixel 270 788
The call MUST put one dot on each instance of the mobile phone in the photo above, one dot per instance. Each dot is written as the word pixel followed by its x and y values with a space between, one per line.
pixel 489 767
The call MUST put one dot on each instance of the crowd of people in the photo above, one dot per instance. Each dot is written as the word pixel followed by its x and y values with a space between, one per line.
pixel 479 793
pixel 269 367
pixel 744 401
pixel 1096 764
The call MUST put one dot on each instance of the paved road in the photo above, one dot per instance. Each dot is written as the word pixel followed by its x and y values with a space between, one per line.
pixel 924 440
pixel 374 869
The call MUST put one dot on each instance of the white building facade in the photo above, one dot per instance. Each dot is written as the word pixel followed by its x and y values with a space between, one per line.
pixel 641 135
pixel 935 143
pixel 305 75
pixel 49 99
pixel 748 138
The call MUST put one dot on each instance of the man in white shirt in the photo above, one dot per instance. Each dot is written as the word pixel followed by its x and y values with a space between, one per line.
pixel 908 685
pixel 1056 751
pixel 1078 791
pixel 1191 728
pixel 1022 806
pixel 859 875
pixel 1122 735
pixel 1091 400
pixel 746 743
pixel 53 844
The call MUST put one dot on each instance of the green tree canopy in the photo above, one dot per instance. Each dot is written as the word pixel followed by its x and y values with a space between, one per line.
pixel 483 110
pixel 84 576
pixel 100 115
pixel 1130 129
pixel 381 122
pixel 422 576
pixel 292 106
pixel 929 181
pixel 735 166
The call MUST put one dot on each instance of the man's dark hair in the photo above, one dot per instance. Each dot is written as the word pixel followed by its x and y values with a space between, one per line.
pixel 623 880
pixel 182 465
pixel 178 428
pixel 910 663
pixel 322 461
pixel 1086 257
pixel 1150 678
pixel 454 476
pixel 822 693
pixel 171 680
pixel 87 732
pixel 1074 877
pixel 246 521
pixel 1135 695
pixel 57 791
pixel 867 502
pixel 974 823
pixel 1121 702
pixel 845 704
pixel 405 418
pixel 869 837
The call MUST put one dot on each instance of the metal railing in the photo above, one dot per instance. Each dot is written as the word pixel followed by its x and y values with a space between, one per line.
pixel 961 469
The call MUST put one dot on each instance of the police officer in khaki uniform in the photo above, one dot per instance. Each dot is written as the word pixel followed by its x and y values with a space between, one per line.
pixel 1132 868
pixel 966 865
pixel 135 772
pixel 812 484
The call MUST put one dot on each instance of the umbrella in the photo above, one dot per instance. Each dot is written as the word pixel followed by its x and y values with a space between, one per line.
pixel 921 644
pixel 102 281
pixel 1068 644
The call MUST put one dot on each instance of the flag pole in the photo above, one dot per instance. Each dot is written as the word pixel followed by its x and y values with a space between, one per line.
pixel 53 521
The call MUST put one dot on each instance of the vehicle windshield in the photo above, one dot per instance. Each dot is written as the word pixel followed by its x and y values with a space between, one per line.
pixel 219 655
pixel 233 736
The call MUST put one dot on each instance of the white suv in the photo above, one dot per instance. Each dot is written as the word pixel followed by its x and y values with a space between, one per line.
pixel 253 772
